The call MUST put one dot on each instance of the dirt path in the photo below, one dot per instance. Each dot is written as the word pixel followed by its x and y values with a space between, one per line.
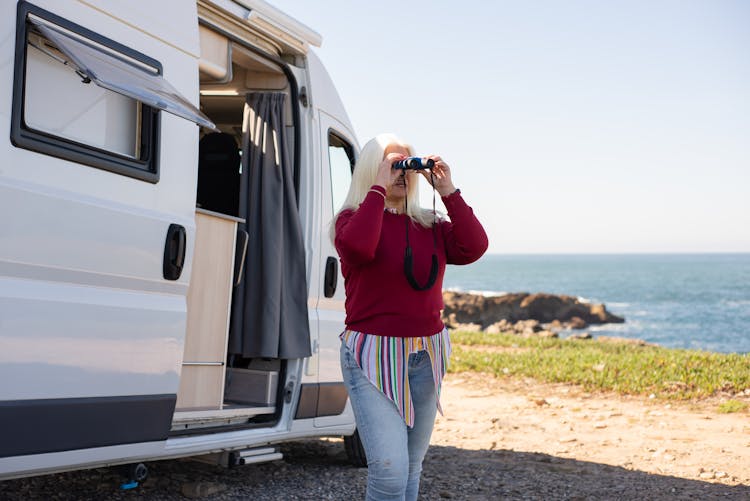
pixel 677 441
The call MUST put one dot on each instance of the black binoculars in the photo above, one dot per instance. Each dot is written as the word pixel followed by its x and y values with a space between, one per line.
pixel 414 163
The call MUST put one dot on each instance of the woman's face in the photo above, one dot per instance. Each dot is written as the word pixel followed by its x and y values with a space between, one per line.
pixel 397 189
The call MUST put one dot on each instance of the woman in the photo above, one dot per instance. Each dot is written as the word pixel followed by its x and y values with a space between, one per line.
pixel 395 348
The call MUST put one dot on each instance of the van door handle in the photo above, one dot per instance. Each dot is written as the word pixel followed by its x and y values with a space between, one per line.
pixel 331 276
pixel 174 251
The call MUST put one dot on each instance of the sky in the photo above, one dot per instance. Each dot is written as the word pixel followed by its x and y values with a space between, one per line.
pixel 570 126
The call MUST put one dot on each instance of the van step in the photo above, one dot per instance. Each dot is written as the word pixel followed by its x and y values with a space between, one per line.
pixel 251 456
pixel 230 415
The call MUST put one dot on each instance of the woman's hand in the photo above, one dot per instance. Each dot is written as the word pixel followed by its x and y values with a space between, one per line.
pixel 441 175
pixel 386 173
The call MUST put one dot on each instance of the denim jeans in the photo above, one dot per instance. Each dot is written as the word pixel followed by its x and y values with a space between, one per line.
pixel 394 451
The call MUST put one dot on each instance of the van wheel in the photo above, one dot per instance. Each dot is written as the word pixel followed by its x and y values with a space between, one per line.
pixel 355 451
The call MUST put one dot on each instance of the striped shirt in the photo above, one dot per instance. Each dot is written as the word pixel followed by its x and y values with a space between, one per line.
pixel 385 362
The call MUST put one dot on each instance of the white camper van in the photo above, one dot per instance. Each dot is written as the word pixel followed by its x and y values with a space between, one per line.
pixel 167 288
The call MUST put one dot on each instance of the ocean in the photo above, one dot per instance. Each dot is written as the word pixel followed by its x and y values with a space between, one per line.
pixel 696 301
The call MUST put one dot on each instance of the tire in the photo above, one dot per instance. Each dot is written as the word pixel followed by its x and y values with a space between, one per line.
pixel 137 472
pixel 355 451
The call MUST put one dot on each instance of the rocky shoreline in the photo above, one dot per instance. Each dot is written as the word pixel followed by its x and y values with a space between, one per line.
pixel 539 314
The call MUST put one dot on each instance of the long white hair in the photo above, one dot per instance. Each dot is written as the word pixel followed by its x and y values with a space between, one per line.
pixel 365 172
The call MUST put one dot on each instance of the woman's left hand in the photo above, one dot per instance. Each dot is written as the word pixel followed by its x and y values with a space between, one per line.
pixel 441 176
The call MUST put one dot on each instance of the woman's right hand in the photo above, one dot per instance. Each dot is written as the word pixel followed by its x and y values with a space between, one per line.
pixel 386 173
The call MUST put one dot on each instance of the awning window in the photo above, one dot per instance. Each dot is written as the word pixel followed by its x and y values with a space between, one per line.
pixel 118 73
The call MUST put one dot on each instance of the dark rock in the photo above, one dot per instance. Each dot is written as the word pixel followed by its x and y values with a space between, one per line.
pixel 527 326
pixel 465 308
pixel 577 323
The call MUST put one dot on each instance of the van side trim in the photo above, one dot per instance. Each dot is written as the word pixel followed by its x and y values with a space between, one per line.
pixel 61 424
pixel 23 271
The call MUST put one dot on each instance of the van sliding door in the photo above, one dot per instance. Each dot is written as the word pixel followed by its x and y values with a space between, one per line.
pixel 95 246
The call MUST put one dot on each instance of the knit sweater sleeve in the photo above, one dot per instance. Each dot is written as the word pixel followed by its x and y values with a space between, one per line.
pixel 464 236
pixel 358 231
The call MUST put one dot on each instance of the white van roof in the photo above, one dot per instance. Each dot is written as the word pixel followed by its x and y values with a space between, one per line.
pixel 294 35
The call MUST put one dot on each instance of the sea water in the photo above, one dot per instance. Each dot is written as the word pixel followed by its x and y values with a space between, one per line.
pixel 697 301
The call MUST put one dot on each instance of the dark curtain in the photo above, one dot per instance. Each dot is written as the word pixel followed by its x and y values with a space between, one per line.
pixel 269 306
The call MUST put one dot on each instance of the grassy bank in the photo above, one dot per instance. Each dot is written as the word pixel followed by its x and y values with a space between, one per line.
pixel 624 368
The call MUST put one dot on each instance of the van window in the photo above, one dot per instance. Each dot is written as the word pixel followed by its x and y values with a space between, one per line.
pixel 59 103
pixel 118 72
pixel 59 111
pixel 341 163
pixel 83 97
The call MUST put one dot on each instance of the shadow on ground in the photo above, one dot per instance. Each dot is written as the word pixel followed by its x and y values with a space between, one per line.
pixel 318 470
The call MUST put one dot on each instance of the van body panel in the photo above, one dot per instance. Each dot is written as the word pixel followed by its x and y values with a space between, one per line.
pixel 325 96
pixel 90 328
pixel 309 210
pixel 102 341
pixel 40 464
pixel 89 323
pixel 331 118
pixel 172 23
pixel 329 114
pixel 294 35
pixel 330 309
pixel 82 254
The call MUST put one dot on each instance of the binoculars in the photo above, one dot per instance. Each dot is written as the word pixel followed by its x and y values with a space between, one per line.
pixel 414 163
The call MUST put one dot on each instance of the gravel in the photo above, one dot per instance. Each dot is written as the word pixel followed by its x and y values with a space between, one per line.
pixel 318 470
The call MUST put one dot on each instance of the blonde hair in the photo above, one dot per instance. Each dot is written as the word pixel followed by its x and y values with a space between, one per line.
pixel 365 172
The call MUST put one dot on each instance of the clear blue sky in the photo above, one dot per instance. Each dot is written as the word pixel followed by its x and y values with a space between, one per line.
pixel 570 126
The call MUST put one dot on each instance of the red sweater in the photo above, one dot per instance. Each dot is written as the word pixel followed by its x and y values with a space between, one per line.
pixel 371 244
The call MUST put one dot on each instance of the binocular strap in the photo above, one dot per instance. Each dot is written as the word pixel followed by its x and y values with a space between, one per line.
pixel 408 258
pixel 409 271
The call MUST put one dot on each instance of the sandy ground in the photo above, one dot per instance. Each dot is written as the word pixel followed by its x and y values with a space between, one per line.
pixel 685 440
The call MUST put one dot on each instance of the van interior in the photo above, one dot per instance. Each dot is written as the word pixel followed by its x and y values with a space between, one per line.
pixel 218 388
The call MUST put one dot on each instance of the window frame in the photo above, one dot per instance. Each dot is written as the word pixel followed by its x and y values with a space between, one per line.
pixel 145 168
pixel 350 153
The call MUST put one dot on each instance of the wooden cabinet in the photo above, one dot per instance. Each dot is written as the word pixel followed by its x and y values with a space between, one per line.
pixel 209 304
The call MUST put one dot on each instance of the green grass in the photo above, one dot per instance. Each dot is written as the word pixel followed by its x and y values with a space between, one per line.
pixel 732 406
pixel 623 368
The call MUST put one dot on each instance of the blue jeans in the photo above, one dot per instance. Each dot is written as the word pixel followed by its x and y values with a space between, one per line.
pixel 394 451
